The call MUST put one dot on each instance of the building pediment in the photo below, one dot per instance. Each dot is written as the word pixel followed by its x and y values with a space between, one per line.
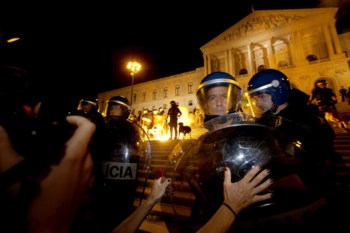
pixel 261 21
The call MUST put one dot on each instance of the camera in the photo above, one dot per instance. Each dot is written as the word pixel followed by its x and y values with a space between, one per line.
pixel 38 137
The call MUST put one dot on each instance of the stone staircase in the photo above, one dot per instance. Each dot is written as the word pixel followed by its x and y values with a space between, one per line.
pixel 342 146
pixel 162 161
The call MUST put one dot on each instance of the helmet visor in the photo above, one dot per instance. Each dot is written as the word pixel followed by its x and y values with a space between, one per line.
pixel 219 100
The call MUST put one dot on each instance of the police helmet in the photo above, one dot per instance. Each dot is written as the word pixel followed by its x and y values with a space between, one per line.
pixel 321 83
pixel 88 100
pixel 118 100
pixel 272 82
pixel 216 79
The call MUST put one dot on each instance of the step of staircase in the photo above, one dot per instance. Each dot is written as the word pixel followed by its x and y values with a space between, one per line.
pixel 162 158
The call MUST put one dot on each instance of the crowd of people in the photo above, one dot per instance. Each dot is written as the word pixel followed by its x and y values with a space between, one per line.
pixel 86 181
pixel 165 123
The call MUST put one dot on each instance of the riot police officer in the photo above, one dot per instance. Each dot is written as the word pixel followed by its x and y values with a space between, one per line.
pixel 117 164
pixel 286 109
pixel 117 108
pixel 88 106
pixel 218 96
pixel 304 135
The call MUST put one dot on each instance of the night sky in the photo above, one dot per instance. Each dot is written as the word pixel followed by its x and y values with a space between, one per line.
pixel 84 49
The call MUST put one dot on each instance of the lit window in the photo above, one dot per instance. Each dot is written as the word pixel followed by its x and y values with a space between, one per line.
pixel 177 90
pixel 154 96
pixel 190 88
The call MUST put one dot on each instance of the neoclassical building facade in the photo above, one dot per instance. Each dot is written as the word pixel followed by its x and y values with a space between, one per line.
pixel 302 43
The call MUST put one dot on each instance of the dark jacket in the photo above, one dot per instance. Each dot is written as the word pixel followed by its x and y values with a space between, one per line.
pixel 307 140
pixel 173 114
pixel 300 121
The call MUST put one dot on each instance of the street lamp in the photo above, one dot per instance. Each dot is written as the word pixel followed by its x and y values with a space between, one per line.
pixel 134 67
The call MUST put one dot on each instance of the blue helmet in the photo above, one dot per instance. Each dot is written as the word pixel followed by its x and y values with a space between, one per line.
pixel 215 79
pixel 272 82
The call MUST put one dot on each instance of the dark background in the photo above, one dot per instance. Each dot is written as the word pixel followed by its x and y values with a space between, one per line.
pixel 84 48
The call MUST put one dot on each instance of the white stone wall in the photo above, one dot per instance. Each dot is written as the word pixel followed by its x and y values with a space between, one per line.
pixel 170 83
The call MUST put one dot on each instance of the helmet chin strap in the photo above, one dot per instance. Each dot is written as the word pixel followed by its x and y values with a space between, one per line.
pixel 274 107
pixel 272 110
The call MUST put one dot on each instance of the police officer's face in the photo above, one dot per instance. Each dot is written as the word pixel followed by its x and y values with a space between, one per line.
pixel 115 110
pixel 263 101
pixel 86 107
pixel 217 101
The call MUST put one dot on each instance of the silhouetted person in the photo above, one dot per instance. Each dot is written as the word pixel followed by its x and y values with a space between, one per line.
pixel 343 93
pixel 173 114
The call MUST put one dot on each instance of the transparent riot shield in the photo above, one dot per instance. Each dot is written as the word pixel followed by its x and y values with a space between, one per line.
pixel 236 141
pixel 145 149
pixel 126 143
pixel 144 168
pixel 125 160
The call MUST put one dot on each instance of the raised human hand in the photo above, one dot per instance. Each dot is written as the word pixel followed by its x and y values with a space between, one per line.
pixel 61 191
pixel 160 186
pixel 248 190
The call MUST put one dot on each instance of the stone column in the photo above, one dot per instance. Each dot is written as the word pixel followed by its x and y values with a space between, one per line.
pixel 335 39
pixel 328 41
pixel 226 61
pixel 231 62
pixel 299 50
pixel 271 54
pixel 206 68
pixel 250 60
